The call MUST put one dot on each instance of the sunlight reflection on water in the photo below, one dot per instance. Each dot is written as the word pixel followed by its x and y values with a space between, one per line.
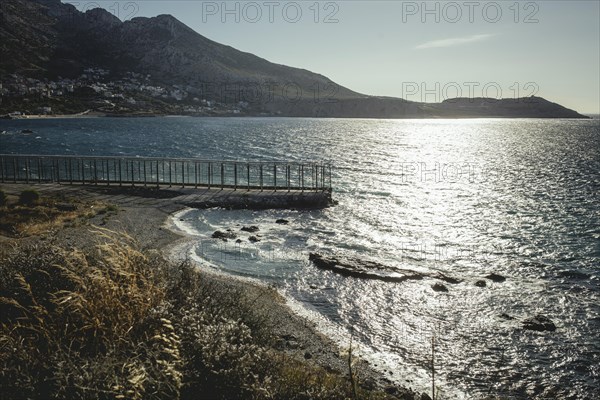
pixel 462 198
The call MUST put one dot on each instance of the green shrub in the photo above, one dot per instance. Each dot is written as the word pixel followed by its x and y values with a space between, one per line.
pixel 29 197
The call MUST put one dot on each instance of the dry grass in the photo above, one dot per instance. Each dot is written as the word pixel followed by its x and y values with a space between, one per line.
pixel 116 323
pixel 81 326
pixel 46 214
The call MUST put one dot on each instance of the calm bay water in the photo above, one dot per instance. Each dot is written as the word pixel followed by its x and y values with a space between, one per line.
pixel 519 198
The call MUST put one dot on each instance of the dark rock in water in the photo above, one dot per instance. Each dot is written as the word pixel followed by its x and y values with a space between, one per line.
pixel 239 241
pixel 539 323
pixel 314 287
pixel 481 283
pixel 223 235
pixel 495 277
pixel 26 131
pixel 362 268
pixel 506 316
pixel 253 239
pixel 181 219
pixel 573 275
pixel 307 355
pixel 250 229
pixel 425 396
pixel 282 221
pixel 447 279
pixel 438 287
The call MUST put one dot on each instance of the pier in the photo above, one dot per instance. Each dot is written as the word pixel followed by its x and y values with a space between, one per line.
pixel 190 182
pixel 183 172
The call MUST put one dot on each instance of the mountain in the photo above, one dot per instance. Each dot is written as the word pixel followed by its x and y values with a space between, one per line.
pixel 44 41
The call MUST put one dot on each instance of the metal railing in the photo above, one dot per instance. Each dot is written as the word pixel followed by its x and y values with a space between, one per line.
pixel 91 170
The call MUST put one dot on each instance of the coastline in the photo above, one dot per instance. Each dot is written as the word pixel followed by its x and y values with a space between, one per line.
pixel 149 223
pixel 289 322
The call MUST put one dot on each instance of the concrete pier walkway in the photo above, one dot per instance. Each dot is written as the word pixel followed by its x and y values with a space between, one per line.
pixel 173 198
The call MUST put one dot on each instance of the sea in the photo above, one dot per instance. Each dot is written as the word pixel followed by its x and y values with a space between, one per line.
pixel 519 198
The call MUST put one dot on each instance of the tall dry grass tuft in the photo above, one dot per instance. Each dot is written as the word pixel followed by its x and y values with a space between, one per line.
pixel 116 323
pixel 86 326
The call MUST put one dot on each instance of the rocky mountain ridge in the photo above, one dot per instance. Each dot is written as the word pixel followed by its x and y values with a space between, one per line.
pixel 49 41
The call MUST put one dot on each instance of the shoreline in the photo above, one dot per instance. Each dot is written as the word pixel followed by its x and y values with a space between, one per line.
pixel 150 223
pixel 337 338
pixel 99 114
pixel 313 336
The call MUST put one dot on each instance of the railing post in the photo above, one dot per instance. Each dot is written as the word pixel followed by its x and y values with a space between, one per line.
pixel 120 173
pixel 196 174
pixel 39 163
pixel 95 172
pixel 289 177
pixel 222 176
pixel 302 177
pixel 145 176
pixel 235 176
pixel 157 175
pixel 275 176
pixel 261 177
pixel 183 174
pixel 170 175
pixel 209 172
pixel 248 172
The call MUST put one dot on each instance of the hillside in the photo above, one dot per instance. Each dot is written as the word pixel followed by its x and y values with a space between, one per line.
pixel 57 59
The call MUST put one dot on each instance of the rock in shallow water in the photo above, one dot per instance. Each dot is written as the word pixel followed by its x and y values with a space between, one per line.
pixel 250 229
pixel 362 268
pixel 539 323
pixel 480 283
pixel 282 221
pixel 495 278
pixel 438 287
pixel 223 235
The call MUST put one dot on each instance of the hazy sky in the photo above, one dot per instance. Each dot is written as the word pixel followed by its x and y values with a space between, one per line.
pixel 415 50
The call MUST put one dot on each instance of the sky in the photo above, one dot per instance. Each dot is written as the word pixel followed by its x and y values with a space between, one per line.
pixel 420 51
